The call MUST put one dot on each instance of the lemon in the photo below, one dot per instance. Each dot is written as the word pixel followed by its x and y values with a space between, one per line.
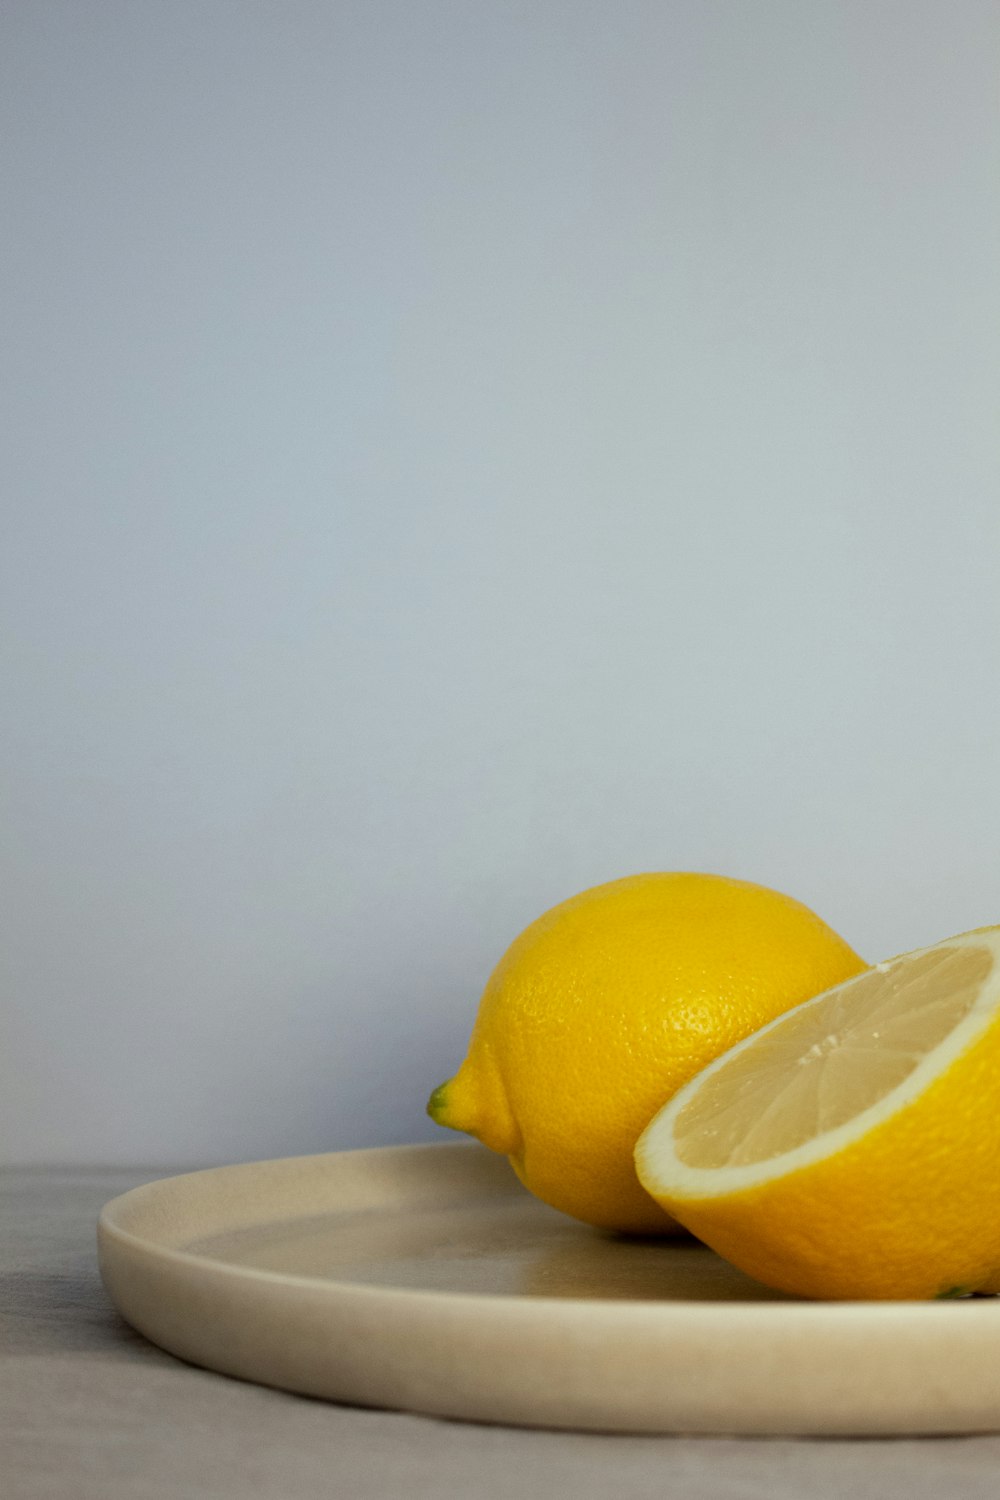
pixel 851 1149
pixel 605 1005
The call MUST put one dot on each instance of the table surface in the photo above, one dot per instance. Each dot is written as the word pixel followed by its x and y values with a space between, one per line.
pixel 91 1411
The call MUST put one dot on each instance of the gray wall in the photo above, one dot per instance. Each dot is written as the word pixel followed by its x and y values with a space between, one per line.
pixel 457 453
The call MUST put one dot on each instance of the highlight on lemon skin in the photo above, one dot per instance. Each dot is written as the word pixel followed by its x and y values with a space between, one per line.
pixel 851 1148
pixel 604 1006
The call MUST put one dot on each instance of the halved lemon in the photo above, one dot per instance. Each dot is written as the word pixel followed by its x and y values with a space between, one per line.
pixel 851 1148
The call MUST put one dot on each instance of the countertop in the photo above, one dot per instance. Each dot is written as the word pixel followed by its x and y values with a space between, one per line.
pixel 90 1411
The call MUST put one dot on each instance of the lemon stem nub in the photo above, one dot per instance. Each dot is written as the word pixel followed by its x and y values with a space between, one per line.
pixel 437 1104
pixel 475 1101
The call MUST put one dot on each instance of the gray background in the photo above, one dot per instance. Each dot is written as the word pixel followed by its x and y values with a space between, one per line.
pixel 456 453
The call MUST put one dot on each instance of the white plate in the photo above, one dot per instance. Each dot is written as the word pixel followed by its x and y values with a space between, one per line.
pixel 425 1278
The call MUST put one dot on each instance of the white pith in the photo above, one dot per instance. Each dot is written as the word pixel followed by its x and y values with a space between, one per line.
pixel 661 1170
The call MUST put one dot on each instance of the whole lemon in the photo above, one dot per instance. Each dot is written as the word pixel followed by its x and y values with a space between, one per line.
pixel 605 1006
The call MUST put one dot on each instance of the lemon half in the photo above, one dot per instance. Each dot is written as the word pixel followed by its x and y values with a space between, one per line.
pixel 851 1148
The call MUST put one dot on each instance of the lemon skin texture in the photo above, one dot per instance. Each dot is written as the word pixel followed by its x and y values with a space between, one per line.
pixel 603 1007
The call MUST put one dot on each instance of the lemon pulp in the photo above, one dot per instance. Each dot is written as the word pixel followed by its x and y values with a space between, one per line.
pixel 822 1065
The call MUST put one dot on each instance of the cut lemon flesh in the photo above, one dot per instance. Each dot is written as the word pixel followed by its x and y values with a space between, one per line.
pixel 851 1148
pixel 826 1063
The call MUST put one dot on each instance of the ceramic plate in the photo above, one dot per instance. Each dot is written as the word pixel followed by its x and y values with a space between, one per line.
pixel 425 1278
